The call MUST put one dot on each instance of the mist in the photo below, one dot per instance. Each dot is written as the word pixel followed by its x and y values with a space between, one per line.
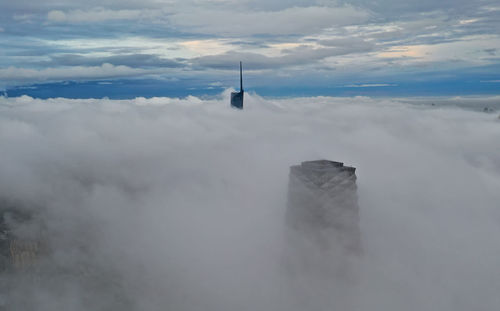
pixel 178 204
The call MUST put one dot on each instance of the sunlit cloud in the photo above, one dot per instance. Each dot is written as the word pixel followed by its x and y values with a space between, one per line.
pixel 206 47
pixel 468 21
pixel 469 49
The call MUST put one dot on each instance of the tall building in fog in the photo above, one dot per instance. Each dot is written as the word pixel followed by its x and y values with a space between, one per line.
pixel 322 217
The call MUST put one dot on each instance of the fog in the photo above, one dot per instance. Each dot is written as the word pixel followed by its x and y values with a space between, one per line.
pixel 178 204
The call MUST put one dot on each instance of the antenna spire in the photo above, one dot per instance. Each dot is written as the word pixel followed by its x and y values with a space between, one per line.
pixel 241 79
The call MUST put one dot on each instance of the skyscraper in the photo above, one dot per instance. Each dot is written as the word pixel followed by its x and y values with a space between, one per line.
pixel 237 97
pixel 322 215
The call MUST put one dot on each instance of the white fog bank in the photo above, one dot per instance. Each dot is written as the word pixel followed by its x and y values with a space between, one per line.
pixel 178 204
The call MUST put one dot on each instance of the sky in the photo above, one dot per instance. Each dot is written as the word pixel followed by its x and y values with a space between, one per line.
pixel 125 49
pixel 179 204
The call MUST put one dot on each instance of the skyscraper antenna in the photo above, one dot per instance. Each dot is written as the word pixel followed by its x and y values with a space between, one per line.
pixel 241 79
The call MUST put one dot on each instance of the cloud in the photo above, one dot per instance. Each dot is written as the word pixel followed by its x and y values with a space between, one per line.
pixel 388 7
pixel 389 37
pixel 98 15
pixel 469 50
pixel 179 204
pixel 129 60
pixel 25 75
pixel 289 21
pixel 301 55
pixel 56 16
pixel 350 43
pixel 370 85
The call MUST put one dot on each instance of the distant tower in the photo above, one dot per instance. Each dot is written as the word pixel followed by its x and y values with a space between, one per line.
pixel 237 97
pixel 322 216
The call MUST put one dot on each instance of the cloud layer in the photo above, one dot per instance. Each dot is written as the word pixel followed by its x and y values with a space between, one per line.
pixel 179 204
pixel 103 71
pixel 342 42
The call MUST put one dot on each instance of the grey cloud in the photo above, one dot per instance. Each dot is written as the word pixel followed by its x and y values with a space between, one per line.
pixel 389 7
pixel 100 15
pixel 130 60
pixel 491 51
pixel 132 5
pixel 289 21
pixel 435 26
pixel 15 75
pixel 292 57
